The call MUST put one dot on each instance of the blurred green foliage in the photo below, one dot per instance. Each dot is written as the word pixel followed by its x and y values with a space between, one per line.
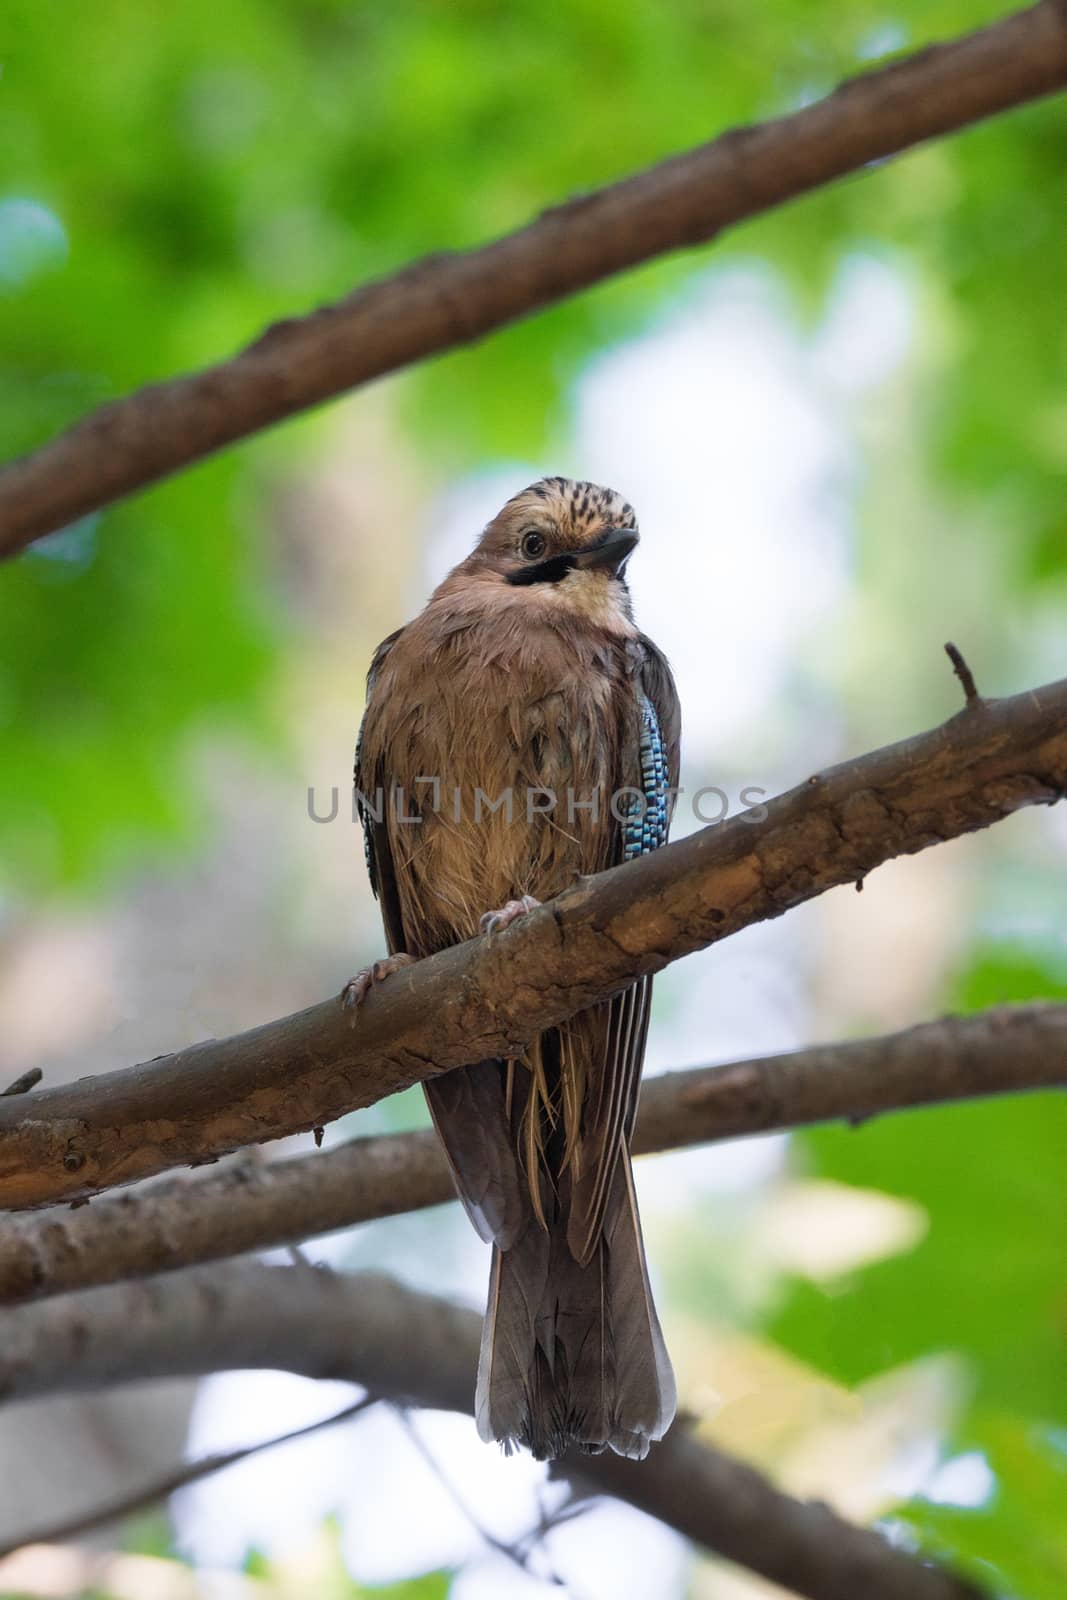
pixel 1017 1541
pixel 331 1580
pixel 320 1571
pixel 169 184
pixel 987 1282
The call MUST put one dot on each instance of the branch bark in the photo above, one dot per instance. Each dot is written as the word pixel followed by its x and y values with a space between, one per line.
pixel 452 299
pixel 420 1350
pixel 247 1207
pixel 490 996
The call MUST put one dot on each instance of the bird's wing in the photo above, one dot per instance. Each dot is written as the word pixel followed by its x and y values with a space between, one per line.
pixel 657 682
pixel 469 1104
pixel 614 1035
pixel 370 782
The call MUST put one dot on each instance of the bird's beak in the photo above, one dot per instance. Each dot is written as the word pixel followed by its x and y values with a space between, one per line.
pixel 610 550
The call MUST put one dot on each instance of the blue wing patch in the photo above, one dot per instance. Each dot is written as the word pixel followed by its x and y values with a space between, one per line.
pixel 648 819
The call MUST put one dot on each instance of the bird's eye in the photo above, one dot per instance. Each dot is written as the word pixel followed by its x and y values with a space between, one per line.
pixel 532 544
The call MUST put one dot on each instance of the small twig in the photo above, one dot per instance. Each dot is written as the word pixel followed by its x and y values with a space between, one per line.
pixel 963 673
pixel 576 1504
pixel 517 1553
pixel 178 1478
pixel 298 1255
pixel 23 1085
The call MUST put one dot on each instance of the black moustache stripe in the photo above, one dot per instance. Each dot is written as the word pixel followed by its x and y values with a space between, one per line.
pixel 550 571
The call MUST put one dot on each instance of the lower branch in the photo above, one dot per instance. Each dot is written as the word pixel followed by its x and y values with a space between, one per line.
pixel 254 1206
pixel 423 1351
pixel 491 996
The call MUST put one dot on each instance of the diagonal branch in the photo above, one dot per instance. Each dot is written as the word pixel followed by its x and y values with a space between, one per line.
pixel 255 1206
pixel 490 996
pixel 420 1350
pixel 23 1085
pixel 452 299
pixel 182 1477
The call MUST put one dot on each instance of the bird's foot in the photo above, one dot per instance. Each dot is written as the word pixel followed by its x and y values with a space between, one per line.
pixel 497 921
pixel 358 988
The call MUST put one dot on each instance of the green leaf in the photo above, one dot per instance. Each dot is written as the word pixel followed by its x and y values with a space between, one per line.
pixel 1017 1542
pixel 986 1280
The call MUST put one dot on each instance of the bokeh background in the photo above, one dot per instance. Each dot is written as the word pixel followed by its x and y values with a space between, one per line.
pixel 845 430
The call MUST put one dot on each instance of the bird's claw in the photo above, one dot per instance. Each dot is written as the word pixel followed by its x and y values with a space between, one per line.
pixel 497 921
pixel 358 988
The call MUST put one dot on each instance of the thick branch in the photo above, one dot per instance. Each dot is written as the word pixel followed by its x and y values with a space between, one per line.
pixel 256 1206
pixel 415 1348
pixel 453 299
pixel 490 996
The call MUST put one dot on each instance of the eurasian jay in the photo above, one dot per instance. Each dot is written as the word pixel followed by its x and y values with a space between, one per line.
pixel 519 732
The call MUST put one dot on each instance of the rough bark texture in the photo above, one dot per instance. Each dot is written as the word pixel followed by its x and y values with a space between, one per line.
pixel 448 300
pixel 253 1206
pixel 411 1347
pixel 488 997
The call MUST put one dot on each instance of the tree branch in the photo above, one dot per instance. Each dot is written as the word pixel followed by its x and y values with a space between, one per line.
pixel 490 996
pixel 255 1206
pixel 23 1085
pixel 182 1477
pixel 420 1350
pixel 452 299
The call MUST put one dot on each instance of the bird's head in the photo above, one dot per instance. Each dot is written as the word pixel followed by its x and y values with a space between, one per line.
pixel 563 542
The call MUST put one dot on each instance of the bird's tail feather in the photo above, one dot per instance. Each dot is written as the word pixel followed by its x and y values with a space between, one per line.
pixel 574 1355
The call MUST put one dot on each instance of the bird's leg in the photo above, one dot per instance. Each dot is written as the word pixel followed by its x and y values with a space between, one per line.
pixel 358 988
pixel 497 921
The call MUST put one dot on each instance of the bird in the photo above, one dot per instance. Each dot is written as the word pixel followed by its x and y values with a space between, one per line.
pixel 526 675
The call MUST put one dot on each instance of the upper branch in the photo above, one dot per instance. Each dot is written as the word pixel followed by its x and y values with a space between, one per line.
pixel 452 299
pixel 416 1348
pixel 489 997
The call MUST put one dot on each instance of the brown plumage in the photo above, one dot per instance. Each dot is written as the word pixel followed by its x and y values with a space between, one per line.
pixel 525 674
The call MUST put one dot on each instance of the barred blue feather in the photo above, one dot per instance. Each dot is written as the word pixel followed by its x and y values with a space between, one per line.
pixel 647 819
